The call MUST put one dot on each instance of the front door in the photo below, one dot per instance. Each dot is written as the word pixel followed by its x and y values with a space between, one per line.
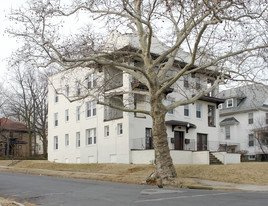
pixel 202 142
pixel 178 140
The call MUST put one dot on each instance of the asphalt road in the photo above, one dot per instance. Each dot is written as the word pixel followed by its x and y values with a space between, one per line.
pixel 44 190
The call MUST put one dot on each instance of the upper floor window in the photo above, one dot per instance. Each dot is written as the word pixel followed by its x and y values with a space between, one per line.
pixel 251 140
pixel 230 103
pixel 186 81
pixel 227 132
pixel 211 116
pixel 119 128
pixel 67 115
pixel 250 118
pixel 220 106
pixel 56 142
pixel 91 136
pixel 91 109
pixel 67 90
pixel 67 142
pixel 186 110
pixel 78 88
pixel 106 131
pixel 170 101
pixel 197 83
pixel 78 113
pixel 77 139
pixel 170 73
pixel 56 121
pixel 56 96
pixel 198 110
pixel 266 118
pixel 91 81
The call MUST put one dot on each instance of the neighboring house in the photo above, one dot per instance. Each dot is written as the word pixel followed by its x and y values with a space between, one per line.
pixel 244 121
pixel 85 132
pixel 13 139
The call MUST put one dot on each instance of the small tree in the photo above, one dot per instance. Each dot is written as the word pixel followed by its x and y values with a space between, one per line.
pixel 221 37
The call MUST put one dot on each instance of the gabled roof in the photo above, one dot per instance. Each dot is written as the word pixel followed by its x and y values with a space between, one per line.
pixel 9 125
pixel 250 97
pixel 229 121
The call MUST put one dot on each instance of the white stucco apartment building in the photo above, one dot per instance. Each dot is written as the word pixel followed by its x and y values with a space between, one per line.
pixel 243 116
pixel 85 132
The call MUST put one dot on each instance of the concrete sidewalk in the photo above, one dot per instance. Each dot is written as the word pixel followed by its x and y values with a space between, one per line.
pixel 214 185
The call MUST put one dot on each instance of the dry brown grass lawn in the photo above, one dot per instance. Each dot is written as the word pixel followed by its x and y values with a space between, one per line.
pixel 5 162
pixel 244 173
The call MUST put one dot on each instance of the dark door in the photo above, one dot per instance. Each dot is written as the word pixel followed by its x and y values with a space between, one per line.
pixel 202 142
pixel 178 140
pixel 148 138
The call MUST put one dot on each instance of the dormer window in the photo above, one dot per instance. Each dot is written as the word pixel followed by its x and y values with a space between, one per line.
pixel 230 103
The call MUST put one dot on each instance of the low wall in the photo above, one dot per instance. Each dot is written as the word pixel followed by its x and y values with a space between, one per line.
pixel 142 156
pixel 228 158
pixel 201 158
pixel 181 157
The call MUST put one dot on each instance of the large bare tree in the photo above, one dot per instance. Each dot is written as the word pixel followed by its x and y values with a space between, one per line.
pixel 223 38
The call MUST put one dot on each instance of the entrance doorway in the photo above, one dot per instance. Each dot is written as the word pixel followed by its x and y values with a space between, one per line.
pixel 178 140
pixel 202 142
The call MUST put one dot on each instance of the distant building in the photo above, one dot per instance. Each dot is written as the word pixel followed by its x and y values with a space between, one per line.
pixel 13 139
pixel 244 121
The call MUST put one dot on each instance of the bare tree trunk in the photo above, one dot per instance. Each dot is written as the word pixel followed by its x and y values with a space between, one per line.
pixel 165 171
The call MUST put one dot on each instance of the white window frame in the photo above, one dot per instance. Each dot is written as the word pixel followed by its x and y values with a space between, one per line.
pixel 67 140
pixel 78 139
pixel 250 118
pixel 119 129
pixel 56 97
pixel 106 131
pixel 251 142
pixel 67 90
pixel 231 101
pixel 197 83
pixel 56 119
pixel 56 143
pixel 91 136
pixel 220 106
pixel 186 108
pixel 227 132
pixel 169 102
pixel 91 109
pixel 198 110
pixel 92 81
pixel 186 81
pixel 78 88
pixel 78 116
pixel 67 115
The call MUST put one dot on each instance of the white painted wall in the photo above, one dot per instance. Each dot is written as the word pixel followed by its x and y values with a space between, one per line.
pixel 228 158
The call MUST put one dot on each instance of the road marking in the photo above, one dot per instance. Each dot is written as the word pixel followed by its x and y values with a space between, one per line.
pixel 180 197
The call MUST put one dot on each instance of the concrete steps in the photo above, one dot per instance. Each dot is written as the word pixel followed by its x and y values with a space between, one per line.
pixel 214 160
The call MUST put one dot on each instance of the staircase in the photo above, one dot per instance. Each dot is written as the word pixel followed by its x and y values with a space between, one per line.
pixel 214 160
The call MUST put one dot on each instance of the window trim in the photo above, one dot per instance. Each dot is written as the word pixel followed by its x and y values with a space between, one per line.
pixel 227 132
pixel 56 142
pixel 186 110
pixel 120 129
pixel 186 81
pixel 67 140
pixel 198 112
pixel 78 139
pixel 251 142
pixel 106 131
pixel 67 117
pixel 91 137
pixel 232 103
pixel 56 119
pixel 250 119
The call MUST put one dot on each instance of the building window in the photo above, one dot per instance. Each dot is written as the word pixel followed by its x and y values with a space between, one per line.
pixel 56 142
pixel 186 110
pixel 211 116
pixel 230 103
pixel 67 90
pixel 78 88
pixel 252 157
pixel 56 97
pixel 250 118
pixel 91 136
pixel 67 115
pixel 227 132
pixel 170 73
pixel 197 83
pixel 20 136
pixel 67 140
pixel 91 109
pixel 119 128
pixel 77 113
pixel 170 101
pixel 20 147
pixel 220 106
pixel 251 140
pixel 198 110
pixel 56 121
pixel 106 131
pixel 186 81
pixel 91 81
pixel 266 119
pixel 77 139
pixel 149 143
